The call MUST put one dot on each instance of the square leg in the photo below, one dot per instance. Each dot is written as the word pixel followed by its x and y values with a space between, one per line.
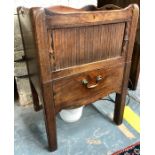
pixel 36 104
pixel 49 116
pixel 119 107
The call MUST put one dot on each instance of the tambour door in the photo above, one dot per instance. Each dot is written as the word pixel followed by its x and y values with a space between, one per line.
pixel 75 46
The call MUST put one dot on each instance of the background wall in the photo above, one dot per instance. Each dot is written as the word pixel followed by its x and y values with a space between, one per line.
pixel 20 70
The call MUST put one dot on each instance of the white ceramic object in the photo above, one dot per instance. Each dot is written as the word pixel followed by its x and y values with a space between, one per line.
pixel 71 115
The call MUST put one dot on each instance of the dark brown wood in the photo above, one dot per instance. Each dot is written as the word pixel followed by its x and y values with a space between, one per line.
pixel 77 56
pixel 36 104
pixel 49 114
pixel 120 97
pixel 38 16
pixel 37 68
pixel 67 90
pixel 88 18
pixel 86 67
pixel 90 51
pixel 135 65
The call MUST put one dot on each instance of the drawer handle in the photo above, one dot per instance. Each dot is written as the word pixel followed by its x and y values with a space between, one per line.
pixel 90 86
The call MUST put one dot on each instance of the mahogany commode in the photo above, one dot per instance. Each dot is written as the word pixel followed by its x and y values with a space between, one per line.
pixel 77 56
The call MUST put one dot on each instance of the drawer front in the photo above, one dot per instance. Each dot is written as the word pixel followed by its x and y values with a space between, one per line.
pixel 87 87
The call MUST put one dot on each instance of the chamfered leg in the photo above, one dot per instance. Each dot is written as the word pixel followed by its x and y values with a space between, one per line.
pixel 49 116
pixel 119 107
pixel 120 97
pixel 36 104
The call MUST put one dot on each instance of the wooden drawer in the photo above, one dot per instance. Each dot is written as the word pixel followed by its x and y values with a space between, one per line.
pixel 87 87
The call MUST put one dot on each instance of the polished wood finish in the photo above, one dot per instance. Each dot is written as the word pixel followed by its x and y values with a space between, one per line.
pixel 78 56
pixel 68 89
pixel 86 67
pixel 135 65
pixel 86 50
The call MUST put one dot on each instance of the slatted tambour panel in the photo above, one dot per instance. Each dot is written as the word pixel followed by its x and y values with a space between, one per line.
pixel 80 45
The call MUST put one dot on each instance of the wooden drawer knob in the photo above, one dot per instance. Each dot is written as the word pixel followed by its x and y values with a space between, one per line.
pixel 89 85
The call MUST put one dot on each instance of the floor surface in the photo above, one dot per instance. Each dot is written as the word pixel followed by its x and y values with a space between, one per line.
pixel 93 134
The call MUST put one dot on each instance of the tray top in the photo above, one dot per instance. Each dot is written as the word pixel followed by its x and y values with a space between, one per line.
pixel 87 9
